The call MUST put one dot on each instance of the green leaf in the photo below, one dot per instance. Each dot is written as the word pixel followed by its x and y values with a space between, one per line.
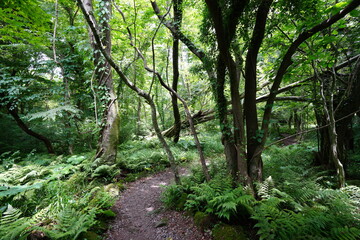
pixel 13 190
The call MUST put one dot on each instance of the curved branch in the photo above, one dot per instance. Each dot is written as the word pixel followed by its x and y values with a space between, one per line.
pixel 178 33
pixel 287 62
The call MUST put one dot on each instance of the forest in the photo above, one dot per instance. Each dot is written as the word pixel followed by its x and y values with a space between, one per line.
pixel 180 119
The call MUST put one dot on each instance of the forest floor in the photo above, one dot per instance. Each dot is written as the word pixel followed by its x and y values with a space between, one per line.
pixel 140 214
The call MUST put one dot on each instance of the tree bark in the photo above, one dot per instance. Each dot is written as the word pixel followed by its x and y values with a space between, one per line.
pixel 253 135
pixel 330 119
pixel 163 142
pixel 175 59
pixel 109 134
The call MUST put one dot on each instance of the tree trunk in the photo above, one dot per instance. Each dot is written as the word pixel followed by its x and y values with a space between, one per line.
pixel 175 59
pixel 163 142
pixel 109 134
pixel 328 106
pixel 13 112
pixel 344 114
pixel 254 136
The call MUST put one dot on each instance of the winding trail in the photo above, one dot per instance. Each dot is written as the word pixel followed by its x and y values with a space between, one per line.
pixel 141 215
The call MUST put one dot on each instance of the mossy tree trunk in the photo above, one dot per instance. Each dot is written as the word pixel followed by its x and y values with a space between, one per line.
pixel 328 106
pixel 175 59
pixel 109 133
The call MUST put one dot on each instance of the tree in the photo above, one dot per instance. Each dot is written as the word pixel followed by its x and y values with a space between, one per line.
pixel 177 5
pixel 226 18
pixel 109 134
pixel 19 82
pixel 88 14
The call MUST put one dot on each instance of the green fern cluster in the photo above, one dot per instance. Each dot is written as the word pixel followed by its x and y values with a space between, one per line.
pixel 216 197
pixel 12 225
pixel 295 201
pixel 297 204
pixel 54 200
pixel 284 218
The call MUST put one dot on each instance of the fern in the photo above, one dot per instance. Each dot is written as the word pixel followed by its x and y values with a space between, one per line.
pixel 223 206
pixel 6 191
pixel 264 188
pixel 345 233
pixel 70 224
pixel 53 113
pixel 14 227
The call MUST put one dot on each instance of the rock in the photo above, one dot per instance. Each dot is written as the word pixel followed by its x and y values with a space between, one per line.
pixel 109 214
pixel 180 203
pixel 163 222
pixel 228 232
pixel 112 189
pixel 89 235
pixel 203 220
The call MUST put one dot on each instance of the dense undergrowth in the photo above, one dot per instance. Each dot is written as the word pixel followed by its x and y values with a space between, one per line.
pixel 296 201
pixel 69 197
pixel 57 197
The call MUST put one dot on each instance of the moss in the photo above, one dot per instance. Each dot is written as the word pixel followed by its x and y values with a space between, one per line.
pixel 228 232
pixel 120 186
pixel 135 176
pixel 108 214
pixel 203 220
pixel 163 222
pixel 112 189
pixel 180 204
pixel 90 236
pixel 105 171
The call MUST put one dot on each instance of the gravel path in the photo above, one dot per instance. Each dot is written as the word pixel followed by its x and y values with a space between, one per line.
pixel 141 216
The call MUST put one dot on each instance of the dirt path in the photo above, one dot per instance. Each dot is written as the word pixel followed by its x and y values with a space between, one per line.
pixel 140 212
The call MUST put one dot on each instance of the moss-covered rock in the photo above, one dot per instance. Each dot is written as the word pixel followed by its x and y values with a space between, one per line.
pixel 180 203
pixel 163 222
pixel 112 189
pixel 89 235
pixel 228 232
pixel 108 214
pixel 121 186
pixel 203 220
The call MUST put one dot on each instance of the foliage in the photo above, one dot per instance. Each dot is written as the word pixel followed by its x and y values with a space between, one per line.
pixel 216 197
pixel 147 154
pixel 53 113
pixel 228 232
pixel 51 197
pixel 295 203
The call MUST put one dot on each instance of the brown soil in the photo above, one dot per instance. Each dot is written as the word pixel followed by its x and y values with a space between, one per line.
pixel 141 215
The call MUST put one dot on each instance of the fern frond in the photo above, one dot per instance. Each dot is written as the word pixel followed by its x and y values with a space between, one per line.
pixel 14 227
pixel 345 233
pixel 53 113
pixel 264 188
pixel 70 224
pixel 6 190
